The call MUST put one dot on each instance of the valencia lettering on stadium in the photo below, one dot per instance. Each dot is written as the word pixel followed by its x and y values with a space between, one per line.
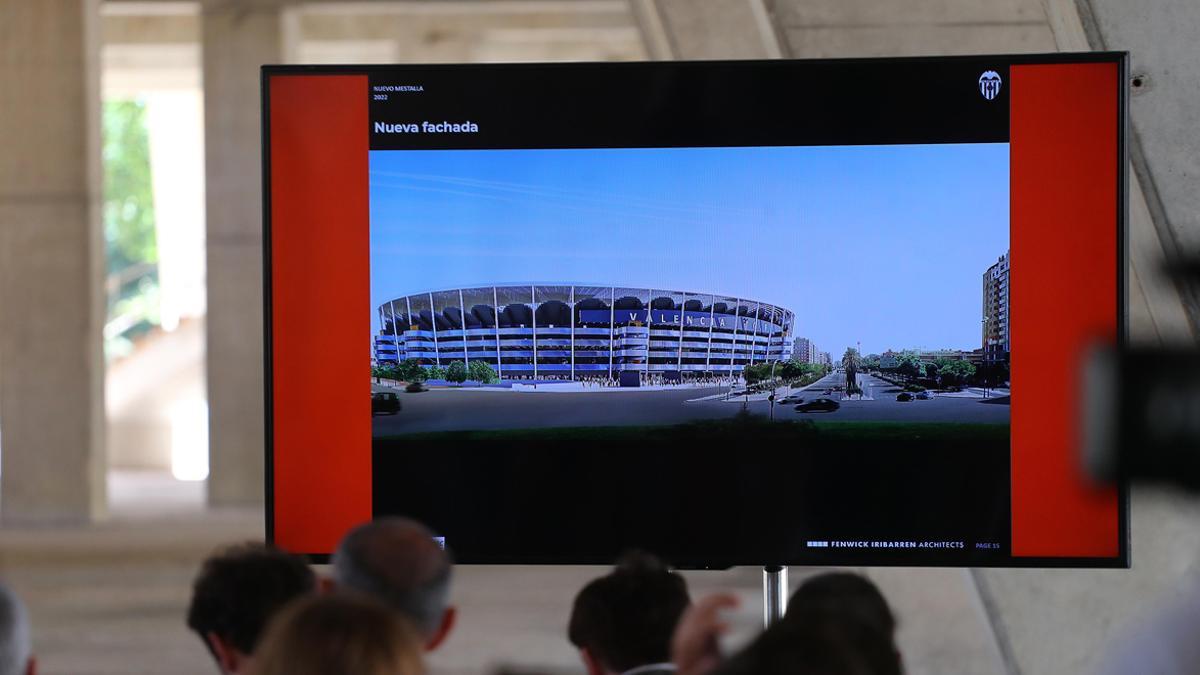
pixel 703 320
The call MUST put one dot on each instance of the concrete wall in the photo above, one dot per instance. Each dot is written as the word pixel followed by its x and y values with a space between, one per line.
pixel 237 39
pixel 1161 37
pixel 51 302
pixel 827 28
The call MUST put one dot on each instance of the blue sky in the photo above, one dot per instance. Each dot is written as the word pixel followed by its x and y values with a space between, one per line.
pixel 883 245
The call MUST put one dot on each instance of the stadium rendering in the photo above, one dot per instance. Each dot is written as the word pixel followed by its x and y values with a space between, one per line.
pixel 568 331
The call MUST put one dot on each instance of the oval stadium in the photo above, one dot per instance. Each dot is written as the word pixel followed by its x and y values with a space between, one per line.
pixel 533 331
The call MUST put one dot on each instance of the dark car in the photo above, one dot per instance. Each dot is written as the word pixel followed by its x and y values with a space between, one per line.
pixel 819 405
pixel 415 388
pixel 904 396
pixel 827 392
pixel 385 403
pixel 791 400
pixel 924 395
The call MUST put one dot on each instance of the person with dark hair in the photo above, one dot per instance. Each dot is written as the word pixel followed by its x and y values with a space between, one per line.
pixel 235 595
pixel 397 561
pixel 817 642
pixel 340 634
pixel 837 623
pixel 16 648
pixel 844 593
pixel 623 621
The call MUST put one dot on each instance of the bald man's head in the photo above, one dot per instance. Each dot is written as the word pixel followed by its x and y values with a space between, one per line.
pixel 397 561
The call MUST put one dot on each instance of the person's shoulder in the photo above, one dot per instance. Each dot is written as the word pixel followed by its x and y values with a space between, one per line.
pixel 654 669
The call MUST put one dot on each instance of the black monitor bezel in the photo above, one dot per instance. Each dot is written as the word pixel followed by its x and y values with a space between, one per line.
pixel 1121 59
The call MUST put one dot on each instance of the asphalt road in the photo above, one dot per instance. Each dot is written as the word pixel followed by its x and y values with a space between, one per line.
pixel 448 409
pixel 879 404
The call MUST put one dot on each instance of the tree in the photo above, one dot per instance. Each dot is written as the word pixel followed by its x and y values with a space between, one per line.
pixel 410 370
pixel 128 197
pixel 791 369
pixel 481 372
pixel 964 369
pixel 756 373
pixel 953 373
pixel 851 361
pixel 387 371
pixel 908 364
pixel 931 370
pixel 436 372
pixel 456 372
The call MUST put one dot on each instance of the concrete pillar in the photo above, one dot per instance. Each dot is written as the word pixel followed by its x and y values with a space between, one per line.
pixel 51 264
pixel 1165 152
pixel 715 29
pixel 237 38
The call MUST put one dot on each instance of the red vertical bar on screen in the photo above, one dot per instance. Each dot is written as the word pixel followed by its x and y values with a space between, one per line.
pixel 320 287
pixel 1062 295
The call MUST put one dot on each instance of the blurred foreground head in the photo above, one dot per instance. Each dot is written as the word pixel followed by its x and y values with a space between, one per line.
pixel 340 633
pixel 16 657
pixel 397 561
pixel 845 593
pixel 625 619
pixel 235 595
pixel 817 643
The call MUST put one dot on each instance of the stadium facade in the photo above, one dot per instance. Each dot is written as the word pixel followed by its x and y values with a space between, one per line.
pixel 583 331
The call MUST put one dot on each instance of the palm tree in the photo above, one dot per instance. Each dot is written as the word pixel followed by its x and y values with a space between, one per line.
pixel 851 362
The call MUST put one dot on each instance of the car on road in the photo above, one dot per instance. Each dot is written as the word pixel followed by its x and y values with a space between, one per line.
pixel 819 405
pixel 924 395
pixel 827 392
pixel 415 388
pixel 904 396
pixel 385 403
pixel 740 392
pixel 791 400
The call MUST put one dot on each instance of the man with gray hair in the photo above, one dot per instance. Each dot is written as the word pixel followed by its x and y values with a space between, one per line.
pixel 398 561
pixel 15 643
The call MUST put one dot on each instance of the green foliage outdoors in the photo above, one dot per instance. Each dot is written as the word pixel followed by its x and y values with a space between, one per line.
pixel 456 372
pixel 909 364
pixel 128 215
pixel 410 370
pixel 759 372
pixel 482 373
pixel 436 372
pixel 128 197
pixel 952 373
pixel 851 362
pixel 793 372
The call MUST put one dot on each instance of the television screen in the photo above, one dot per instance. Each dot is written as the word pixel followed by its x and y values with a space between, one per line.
pixel 786 312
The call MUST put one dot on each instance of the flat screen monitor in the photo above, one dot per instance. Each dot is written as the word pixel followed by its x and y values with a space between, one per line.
pixel 763 312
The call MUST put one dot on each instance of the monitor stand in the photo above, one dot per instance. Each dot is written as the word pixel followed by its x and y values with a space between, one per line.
pixel 775 593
